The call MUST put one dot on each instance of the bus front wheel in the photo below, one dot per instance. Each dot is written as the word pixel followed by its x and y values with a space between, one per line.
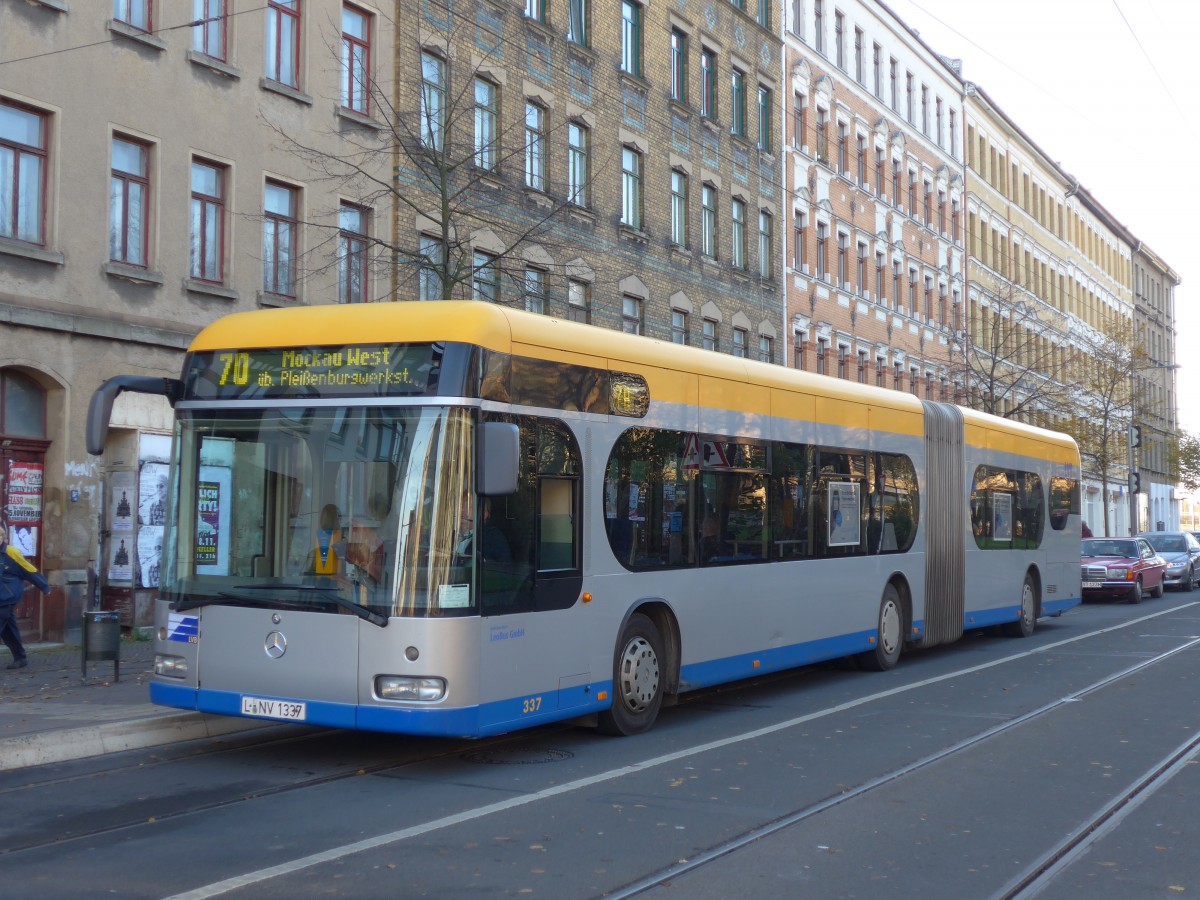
pixel 637 679
pixel 889 637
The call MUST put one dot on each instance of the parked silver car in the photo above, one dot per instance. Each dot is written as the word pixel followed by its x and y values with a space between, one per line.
pixel 1181 551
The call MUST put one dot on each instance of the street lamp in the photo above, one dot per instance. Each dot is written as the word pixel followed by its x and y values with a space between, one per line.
pixel 1135 440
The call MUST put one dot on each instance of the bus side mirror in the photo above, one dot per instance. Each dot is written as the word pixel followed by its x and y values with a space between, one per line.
pixel 497 458
pixel 100 407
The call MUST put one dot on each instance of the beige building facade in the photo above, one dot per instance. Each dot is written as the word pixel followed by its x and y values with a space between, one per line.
pixel 145 192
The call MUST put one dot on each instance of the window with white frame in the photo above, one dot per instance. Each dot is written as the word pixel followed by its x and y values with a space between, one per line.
pixel 631 38
pixel 23 156
pixel 766 244
pixel 535 146
pixel 356 59
pixel 764 119
pixel 485 280
pixel 737 103
pixel 679 326
pixel 280 225
pixel 679 47
pixel 578 164
pixel 738 233
pixel 709 337
pixel 708 221
pixel 631 188
pixel 129 197
pixel 739 342
pixel 208 34
pixel 679 208
pixel 283 41
pixel 577 21
pixel 487 114
pixel 433 256
pixel 433 101
pixel 353 225
pixel 206 249
pixel 536 10
pixel 708 84
pixel 766 348
pixel 137 13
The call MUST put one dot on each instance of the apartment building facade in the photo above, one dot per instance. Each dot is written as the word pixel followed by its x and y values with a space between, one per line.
pixel 134 212
pixel 618 160
pixel 876 273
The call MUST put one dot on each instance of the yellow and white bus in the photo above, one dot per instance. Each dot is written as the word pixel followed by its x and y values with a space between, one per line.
pixel 461 519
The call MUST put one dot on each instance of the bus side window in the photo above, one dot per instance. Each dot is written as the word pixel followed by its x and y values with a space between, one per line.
pixel 556 525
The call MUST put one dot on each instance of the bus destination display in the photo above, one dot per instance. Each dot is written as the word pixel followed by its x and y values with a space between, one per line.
pixel 349 371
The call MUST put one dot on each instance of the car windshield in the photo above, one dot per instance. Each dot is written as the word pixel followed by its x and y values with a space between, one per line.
pixel 1167 543
pixel 1127 549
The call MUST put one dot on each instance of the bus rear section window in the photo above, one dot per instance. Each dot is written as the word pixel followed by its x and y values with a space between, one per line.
pixel 649 490
pixel 1064 500
pixel 895 503
pixel 1008 509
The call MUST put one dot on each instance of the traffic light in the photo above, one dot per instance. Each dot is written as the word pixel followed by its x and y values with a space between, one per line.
pixel 1135 435
pixel 1136 483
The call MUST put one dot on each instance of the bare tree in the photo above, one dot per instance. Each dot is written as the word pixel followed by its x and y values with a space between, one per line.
pixel 436 149
pixel 1010 359
pixel 1103 364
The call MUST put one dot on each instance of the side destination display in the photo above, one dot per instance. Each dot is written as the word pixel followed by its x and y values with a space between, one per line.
pixel 350 371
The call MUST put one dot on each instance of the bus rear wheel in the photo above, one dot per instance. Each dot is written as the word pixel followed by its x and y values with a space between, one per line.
pixel 637 679
pixel 889 636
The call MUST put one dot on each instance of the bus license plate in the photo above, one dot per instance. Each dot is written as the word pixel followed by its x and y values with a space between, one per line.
pixel 274 709
pixel 1093 584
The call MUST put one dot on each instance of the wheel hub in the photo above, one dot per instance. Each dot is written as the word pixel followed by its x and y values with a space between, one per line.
pixel 639 675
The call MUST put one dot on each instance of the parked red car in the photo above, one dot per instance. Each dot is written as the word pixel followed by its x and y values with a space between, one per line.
pixel 1120 567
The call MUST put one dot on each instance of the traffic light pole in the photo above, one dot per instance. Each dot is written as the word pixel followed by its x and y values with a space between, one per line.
pixel 1135 439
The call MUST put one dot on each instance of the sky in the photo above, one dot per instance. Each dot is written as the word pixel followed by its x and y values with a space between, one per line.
pixel 1108 89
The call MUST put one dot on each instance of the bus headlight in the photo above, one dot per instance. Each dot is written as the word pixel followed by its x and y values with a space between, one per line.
pixel 402 687
pixel 170 666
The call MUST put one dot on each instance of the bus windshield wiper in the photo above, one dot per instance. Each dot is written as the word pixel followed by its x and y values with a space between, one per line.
pixel 323 592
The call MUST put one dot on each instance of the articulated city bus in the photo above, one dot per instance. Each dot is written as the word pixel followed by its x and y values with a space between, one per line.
pixel 460 519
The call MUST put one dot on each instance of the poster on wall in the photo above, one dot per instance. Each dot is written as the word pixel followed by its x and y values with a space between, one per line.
pixel 149 556
pixel 24 507
pixel 120 563
pixel 845 518
pixel 152 494
pixel 124 496
pixel 213 507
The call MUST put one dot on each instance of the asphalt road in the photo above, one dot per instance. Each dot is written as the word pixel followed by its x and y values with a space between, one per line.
pixel 1061 766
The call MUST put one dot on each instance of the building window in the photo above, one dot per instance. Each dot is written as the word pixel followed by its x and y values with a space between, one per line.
pixel 208 35
pixel 709 339
pixel 433 101
pixel 822 240
pixel 535 290
pixel 207 226
pixel 578 164
pixel 843 262
pixel 894 78
pixel 766 256
pixel 708 221
pixel 879 171
pixel 822 345
pixel 914 380
pixel 23 151
pixel 843 359
pixel 764 119
pixel 356 59
pixel 737 103
pixel 798 347
pixel 880 370
pixel 280 224
pixel 860 62
pixel 708 84
pixel 487 114
pixel 912 292
pixel 953 134
pixel 819 24
pixel 912 194
pixel 535 147
pixel 536 10
pixel 679 43
pixel 353 223
pixel 877 69
pixel 283 41
pixel 800 240
pixel 129 195
pixel 908 83
pixel 679 327
pixel 631 188
pixel 862 366
pixel 928 203
pixel 766 348
pixel 738 234
pixel 941 134
pixel 763 16
pixel 925 110
pixel 577 21
pixel 579 301
pixel 679 208
pixel 861 286
pixel 843 152
pixel 822 136
pixel 839 39
pixel 631 315
pixel 879 278
pixel 133 12
pixel 739 342
pixel 433 259
pixel 631 38
pixel 485 281
pixel 799 119
pixel 862 160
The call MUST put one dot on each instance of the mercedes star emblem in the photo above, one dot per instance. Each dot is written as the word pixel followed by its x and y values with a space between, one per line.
pixel 275 644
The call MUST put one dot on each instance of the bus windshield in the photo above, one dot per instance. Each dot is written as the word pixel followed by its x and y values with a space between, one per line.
pixel 330 509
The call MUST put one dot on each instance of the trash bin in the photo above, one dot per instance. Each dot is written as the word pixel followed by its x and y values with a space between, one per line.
pixel 102 639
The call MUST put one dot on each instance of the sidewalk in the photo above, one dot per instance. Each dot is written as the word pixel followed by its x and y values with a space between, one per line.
pixel 50 713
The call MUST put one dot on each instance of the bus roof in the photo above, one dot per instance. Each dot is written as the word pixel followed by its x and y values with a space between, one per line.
pixel 515 331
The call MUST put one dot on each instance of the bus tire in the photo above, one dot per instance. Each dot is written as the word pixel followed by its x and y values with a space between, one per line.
pixel 889 634
pixel 1025 625
pixel 637 679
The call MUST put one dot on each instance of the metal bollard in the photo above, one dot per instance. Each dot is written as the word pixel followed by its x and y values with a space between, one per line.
pixel 102 639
